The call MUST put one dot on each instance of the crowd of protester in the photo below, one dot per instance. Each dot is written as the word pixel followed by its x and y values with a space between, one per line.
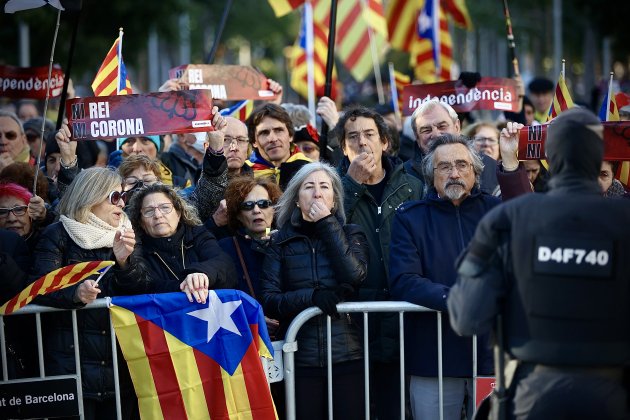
pixel 260 206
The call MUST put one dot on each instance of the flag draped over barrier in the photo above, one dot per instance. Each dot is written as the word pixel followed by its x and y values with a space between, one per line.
pixel 192 360
pixel 55 280
pixel 111 78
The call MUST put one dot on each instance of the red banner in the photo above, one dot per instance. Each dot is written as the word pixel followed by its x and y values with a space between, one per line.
pixel 531 143
pixel 489 93
pixel 102 117
pixel 30 82
pixel 227 82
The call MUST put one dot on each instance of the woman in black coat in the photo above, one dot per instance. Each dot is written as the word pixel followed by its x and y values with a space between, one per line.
pixel 317 260
pixel 177 251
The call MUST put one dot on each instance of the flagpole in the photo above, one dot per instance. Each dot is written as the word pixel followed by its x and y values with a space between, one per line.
pixel 217 35
pixel 330 62
pixel 392 85
pixel 50 66
pixel 375 63
pixel 119 53
pixel 310 62
pixel 610 88
pixel 563 68
pixel 510 38
pixel 437 48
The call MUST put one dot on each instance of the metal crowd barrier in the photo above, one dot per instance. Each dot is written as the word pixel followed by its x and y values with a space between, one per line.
pixel 290 346
pixel 38 310
pixel 276 371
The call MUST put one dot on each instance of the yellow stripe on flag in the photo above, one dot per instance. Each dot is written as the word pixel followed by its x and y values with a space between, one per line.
pixel 234 388
pixel 132 346
pixel 188 378
pixel 624 172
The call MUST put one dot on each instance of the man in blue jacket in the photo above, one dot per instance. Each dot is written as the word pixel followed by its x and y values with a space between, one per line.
pixel 427 237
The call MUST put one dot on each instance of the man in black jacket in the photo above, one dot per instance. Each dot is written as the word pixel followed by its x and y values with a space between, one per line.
pixel 556 266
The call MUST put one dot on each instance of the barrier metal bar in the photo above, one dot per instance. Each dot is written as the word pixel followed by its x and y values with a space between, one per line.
pixel 440 377
pixel 40 345
pixel 329 363
pixel 102 303
pixel 291 346
pixel 401 323
pixel 77 362
pixel 3 351
pixel 366 365
pixel 474 349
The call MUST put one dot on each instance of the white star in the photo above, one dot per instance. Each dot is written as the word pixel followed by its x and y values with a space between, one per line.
pixel 424 22
pixel 218 314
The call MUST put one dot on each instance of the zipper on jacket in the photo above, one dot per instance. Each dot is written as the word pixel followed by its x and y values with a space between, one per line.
pixel 461 231
pixel 165 265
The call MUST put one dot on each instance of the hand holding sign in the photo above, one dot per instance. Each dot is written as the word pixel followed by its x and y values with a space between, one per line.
pixel 67 146
pixel 508 144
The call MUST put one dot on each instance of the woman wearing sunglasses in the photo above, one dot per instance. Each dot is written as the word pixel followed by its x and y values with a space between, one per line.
pixel 177 251
pixel 92 226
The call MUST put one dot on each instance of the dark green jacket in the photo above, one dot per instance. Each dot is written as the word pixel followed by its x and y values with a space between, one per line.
pixel 376 219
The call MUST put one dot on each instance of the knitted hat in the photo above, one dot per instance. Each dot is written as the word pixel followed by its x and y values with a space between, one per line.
pixel 155 139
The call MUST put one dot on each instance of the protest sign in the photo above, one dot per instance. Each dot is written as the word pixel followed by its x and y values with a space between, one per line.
pixel 103 117
pixel 227 82
pixel 30 82
pixel 490 93
pixel 531 144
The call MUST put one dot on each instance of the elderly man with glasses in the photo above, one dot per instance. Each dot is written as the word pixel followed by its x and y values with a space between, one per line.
pixel 13 144
pixel 427 237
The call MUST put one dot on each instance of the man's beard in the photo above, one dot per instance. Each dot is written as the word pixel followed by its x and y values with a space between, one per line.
pixel 455 190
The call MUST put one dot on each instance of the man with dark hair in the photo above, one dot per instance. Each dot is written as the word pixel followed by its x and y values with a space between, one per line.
pixel 374 186
pixel 428 235
pixel 271 132
pixel 556 265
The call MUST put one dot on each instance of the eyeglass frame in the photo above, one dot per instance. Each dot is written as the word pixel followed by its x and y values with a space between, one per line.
pixel 241 141
pixel 250 204
pixel 13 210
pixel 142 181
pixel 13 135
pixel 449 170
pixel 168 209
pixel 121 195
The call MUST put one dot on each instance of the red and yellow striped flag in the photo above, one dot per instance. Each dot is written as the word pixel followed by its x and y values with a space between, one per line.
pixel 358 24
pixel 400 80
pixel 561 99
pixel 282 7
pixel 55 280
pixel 458 11
pixel 111 78
pixel 193 360
pixel 241 110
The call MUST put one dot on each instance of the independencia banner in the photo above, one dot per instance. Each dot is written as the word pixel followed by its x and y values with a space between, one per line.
pixel 227 82
pixel 102 117
pixel 30 82
pixel 531 143
pixel 489 93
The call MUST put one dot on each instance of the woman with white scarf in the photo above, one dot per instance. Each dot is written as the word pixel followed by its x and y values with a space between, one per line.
pixel 92 226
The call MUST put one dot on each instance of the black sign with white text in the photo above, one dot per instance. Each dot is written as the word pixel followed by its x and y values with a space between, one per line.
pixel 39 398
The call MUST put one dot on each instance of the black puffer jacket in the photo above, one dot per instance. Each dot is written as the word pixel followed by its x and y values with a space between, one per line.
pixel 56 249
pixel 192 249
pixel 304 257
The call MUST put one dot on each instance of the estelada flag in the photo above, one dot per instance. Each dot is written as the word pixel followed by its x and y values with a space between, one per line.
pixel 192 360
pixel 561 99
pixel 111 78
pixel 241 110
pixel 55 280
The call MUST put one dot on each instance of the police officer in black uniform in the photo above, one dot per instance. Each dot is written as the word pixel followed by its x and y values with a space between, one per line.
pixel 556 267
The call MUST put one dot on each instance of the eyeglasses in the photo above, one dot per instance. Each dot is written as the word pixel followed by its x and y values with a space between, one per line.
pixel 9 135
pixel 249 205
pixel 164 208
pixel 132 181
pixel 486 140
pixel 17 211
pixel 445 168
pixel 114 197
pixel 239 141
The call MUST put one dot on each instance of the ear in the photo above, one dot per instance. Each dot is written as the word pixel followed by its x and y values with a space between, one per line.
pixel 385 145
pixel 458 127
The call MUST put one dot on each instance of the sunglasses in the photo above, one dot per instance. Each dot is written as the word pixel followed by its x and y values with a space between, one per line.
pixel 249 205
pixel 17 211
pixel 114 197
pixel 9 135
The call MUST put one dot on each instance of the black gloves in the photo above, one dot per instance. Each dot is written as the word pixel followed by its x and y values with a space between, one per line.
pixel 327 301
